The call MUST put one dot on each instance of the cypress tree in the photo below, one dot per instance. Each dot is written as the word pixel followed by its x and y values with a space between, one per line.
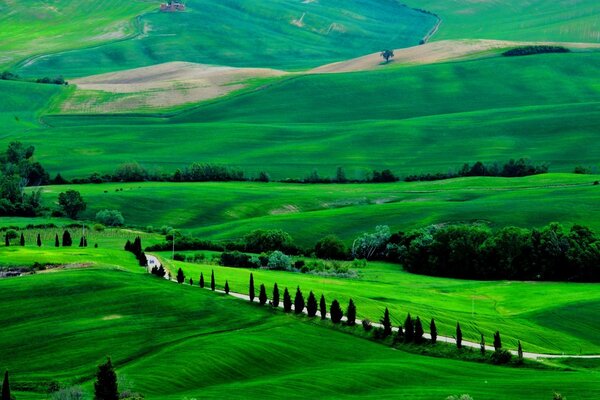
pixel 298 302
pixel 39 240
pixel 458 336
pixel 409 329
pixel 482 345
pixel 85 241
pixel 311 305
pixel 22 240
pixel 142 260
pixel 128 245
pixel 227 287
pixel 287 301
pixel 323 307
pixel 497 341
pixel 191 282
pixel 399 335
pixel 251 289
pixel 336 312
pixel 433 331
pixel 201 280
pixel 81 242
pixel 66 239
pixel 180 276
pixel 6 387
pixel 212 280
pixel 262 296
pixel 520 352
pixel 351 314
pixel 275 295
pixel 418 331
pixel 56 241
pixel 387 324
pixel 6 240
pixel 105 387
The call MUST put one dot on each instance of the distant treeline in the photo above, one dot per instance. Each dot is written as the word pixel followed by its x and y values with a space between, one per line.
pixel 511 169
pixel 530 50
pixel 9 76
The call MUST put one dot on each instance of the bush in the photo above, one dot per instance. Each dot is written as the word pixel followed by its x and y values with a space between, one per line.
pixel 98 227
pixel 110 217
pixel 367 325
pixel 501 357
pixel 331 247
pixel 179 257
pixel 70 393
pixel 278 260
pixel 11 234
pixel 238 260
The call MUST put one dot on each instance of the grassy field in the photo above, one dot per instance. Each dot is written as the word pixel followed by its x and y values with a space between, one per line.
pixel 243 33
pixel 308 212
pixel 173 342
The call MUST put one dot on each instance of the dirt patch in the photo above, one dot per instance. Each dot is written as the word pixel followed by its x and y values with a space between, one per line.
pixel 111 317
pixel 287 209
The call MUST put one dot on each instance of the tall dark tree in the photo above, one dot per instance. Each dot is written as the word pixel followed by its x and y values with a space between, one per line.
pixel 22 240
pixel 191 282
pixel 336 312
pixel 213 284
pixel 226 287
pixel 6 387
pixel 56 241
pixel 275 300
pixel 298 301
pixel 311 305
pixel 418 331
pixel 81 242
pixel 287 301
pixel 180 276
pixel 409 329
pixel 497 341
pixel 106 387
pixel 323 307
pixel 351 314
pixel 482 345
pixel 520 351
pixel 262 295
pixel 201 283
pixel 66 239
pixel 6 240
pixel 387 324
pixel 433 331
pixel 458 336
pixel 251 288
pixel 39 240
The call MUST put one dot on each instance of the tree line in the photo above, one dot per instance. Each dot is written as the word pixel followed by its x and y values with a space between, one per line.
pixel 65 240
pixel 534 49
pixel 10 76
pixel 512 169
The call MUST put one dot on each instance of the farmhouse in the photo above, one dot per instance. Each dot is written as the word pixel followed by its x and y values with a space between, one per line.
pixel 172 6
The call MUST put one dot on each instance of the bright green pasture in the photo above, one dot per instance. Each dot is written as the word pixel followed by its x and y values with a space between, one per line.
pixel 251 34
pixel 175 342
pixel 32 28
pixel 561 20
pixel 309 212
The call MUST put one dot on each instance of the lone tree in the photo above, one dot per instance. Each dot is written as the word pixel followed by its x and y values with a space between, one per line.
pixel 22 240
pixel 39 240
pixel 105 387
pixel 275 300
pixel 433 331
pixel 387 54
pixel 387 324
pixel 482 345
pixel 251 293
pixel 458 336
pixel 71 203
pixel 201 280
pixel 298 301
pixel 6 387
pixel 409 329
pixel 418 331
pixel 520 352
pixel 262 296
pixel 287 301
pixel 323 307
pixel 66 239
pixel 191 281
pixel 180 276
pixel 351 314
pixel 56 241
pixel 336 312
pixel 212 280
pixel 311 305
pixel 497 341
pixel 226 287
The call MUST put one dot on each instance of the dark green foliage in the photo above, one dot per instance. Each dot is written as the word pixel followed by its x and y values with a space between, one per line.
pixel 71 203
pixel 287 301
pixel 351 313
pixel 6 387
pixel 39 240
pixel 262 295
pixel 367 325
pixel 409 329
pixel 298 301
pixel 335 311
pixel 497 341
pixel 275 299
pixel 201 283
pixel 66 239
pixel 387 54
pixel 142 260
pixel 534 49
pixel 331 247
pixel 384 176
pixel 501 357
pixel 22 240
pixel 387 324
pixel 191 281
pixel 311 305
pixel 6 241
pixel 433 331
pixel 56 241
pixel 158 271
pixel 458 336
pixel 259 241
pixel 418 331
pixel 212 281
pixel 251 293
pixel 520 352
pixel 323 307
pixel 105 387
pixel 399 337
pixel 180 276
pixel 482 345
pixel 238 260
pixel 226 287
pixel 179 257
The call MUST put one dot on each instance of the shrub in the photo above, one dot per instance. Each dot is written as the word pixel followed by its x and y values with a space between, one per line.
pixel 110 217
pixel 98 227
pixel 238 260
pixel 11 234
pixel 278 260
pixel 70 393
pixel 179 257
pixel 501 356
pixel 331 247
pixel 367 325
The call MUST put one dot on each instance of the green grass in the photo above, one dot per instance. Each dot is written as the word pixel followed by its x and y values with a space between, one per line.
pixel 309 212
pixel 174 342
pixel 246 33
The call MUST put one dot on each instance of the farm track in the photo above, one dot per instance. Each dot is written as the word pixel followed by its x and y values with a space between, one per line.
pixel 154 260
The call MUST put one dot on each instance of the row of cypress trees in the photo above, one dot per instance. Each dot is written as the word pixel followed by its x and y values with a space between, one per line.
pixel 136 249
pixel 67 241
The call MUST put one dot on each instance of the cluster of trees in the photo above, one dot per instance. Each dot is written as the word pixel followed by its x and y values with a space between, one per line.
pixel 67 240
pixel 375 176
pixel 477 252
pixel 9 76
pixel 511 169
pixel 534 49
pixel 110 217
pixel 136 249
